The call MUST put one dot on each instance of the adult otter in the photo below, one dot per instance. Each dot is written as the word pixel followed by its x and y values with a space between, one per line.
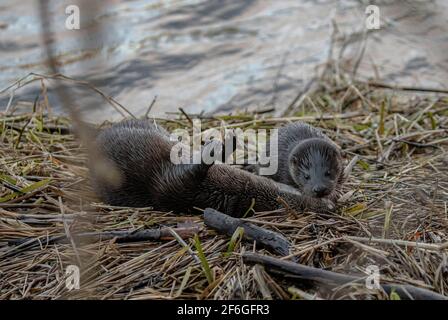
pixel 307 160
pixel 140 151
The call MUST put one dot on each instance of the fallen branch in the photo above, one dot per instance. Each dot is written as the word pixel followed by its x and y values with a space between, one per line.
pixel 227 225
pixel 302 272
pixel 120 236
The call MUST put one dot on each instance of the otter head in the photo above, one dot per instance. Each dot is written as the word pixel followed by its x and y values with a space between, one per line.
pixel 315 167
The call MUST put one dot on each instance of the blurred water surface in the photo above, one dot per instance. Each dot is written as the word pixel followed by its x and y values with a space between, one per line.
pixel 220 56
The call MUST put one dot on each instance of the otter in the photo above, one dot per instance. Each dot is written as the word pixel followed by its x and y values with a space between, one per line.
pixel 307 160
pixel 140 151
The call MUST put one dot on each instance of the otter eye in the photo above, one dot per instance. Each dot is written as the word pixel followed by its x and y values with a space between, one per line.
pixel 327 173
pixel 307 177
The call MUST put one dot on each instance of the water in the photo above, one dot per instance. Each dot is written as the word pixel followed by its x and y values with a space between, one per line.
pixel 220 56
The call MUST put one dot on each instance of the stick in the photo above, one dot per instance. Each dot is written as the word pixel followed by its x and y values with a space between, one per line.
pixel 405 88
pixel 184 244
pixel 186 115
pixel 417 144
pixel 48 127
pixel 301 272
pixel 150 107
pixel 121 236
pixel 414 244
pixel 348 169
pixel 227 225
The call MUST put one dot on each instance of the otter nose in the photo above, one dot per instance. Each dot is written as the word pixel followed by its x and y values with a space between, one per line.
pixel 320 191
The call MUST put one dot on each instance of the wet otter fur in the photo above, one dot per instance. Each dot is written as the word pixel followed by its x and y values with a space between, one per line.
pixel 140 151
pixel 308 160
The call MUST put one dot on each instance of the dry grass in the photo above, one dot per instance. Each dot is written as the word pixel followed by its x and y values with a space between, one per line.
pixel 393 212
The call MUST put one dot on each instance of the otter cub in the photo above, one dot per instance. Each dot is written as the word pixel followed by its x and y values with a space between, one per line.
pixel 140 152
pixel 308 160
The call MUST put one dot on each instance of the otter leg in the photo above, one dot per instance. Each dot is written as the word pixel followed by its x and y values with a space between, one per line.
pixel 210 151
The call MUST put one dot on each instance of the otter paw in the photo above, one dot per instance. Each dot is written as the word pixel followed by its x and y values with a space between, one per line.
pixel 323 205
pixel 329 205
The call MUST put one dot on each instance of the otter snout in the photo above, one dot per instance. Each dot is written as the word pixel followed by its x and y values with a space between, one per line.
pixel 320 191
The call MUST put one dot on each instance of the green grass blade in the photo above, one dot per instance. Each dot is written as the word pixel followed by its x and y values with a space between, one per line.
pixel 203 259
pixel 251 208
pixel 234 240
pixel 35 186
pixel 394 295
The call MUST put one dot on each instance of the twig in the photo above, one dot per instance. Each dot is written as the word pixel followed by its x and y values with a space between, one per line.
pixel 347 115
pixel 186 115
pixel 68 233
pixel 150 106
pixel 348 169
pixel 227 225
pixel 361 53
pixel 184 244
pixel 26 124
pixel 301 272
pixel 162 234
pixel 417 144
pixel 262 285
pixel 406 88
pixel 414 244
pixel 9 102
pixel 312 247
pixel 300 96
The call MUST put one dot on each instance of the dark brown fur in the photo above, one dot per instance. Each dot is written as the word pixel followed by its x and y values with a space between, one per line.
pixel 141 153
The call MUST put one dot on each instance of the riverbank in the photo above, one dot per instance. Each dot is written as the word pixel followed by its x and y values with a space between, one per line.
pixel 393 212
